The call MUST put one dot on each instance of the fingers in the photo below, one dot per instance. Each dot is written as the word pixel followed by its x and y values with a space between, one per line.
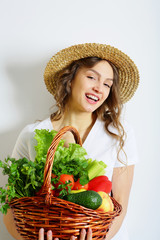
pixel 83 234
pixel 49 235
pixel 89 234
pixel 41 234
pixel 72 238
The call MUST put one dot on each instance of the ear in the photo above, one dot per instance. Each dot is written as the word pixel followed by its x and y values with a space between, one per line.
pixel 69 87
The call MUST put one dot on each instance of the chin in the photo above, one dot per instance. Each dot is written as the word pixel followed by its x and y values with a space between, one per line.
pixel 90 109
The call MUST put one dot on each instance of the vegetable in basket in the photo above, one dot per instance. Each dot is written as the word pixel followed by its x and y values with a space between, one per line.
pixel 78 186
pixel 25 178
pixel 88 199
pixel 100 183
pixel 107 204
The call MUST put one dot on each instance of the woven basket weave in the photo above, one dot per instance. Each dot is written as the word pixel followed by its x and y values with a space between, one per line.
pixel 62 217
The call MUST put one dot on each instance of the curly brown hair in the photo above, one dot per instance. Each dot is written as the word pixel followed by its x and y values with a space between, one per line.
pixel 109 111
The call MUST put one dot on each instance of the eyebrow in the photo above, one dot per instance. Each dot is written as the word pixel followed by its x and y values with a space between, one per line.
pixel 90 69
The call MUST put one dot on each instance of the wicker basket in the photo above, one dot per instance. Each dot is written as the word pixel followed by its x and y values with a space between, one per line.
pixel 62 217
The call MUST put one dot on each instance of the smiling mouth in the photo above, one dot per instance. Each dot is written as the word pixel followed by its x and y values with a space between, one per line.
pixel 92 97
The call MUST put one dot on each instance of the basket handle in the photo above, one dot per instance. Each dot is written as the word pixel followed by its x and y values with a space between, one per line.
pixel 46 188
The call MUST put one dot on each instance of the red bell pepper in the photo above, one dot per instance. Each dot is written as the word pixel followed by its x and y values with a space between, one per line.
pixel 100 183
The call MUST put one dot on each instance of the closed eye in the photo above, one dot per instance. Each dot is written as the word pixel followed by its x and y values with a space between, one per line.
pixel 107 85
pixel 90 77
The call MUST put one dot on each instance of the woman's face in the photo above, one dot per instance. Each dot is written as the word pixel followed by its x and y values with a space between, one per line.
pixel 91 87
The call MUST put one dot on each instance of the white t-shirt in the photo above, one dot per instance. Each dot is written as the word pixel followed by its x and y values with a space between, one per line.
pixel 99 145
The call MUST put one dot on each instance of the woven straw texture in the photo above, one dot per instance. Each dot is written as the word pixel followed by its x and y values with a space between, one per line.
pixel 128 72
pixel 62 217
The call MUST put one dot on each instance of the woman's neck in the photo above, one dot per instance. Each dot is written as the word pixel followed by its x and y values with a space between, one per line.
pixel 80 120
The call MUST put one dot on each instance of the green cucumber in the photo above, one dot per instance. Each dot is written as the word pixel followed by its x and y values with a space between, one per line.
pixel 89 199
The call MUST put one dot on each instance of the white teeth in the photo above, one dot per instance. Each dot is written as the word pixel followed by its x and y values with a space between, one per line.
pixel 92 97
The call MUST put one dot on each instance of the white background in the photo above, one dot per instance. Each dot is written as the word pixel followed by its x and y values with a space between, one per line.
pixel 34 30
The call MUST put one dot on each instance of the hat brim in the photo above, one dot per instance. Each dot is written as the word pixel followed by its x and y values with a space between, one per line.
pixel 128 71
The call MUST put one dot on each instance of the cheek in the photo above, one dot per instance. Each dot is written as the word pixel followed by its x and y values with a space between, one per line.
pixel 77 84
pixel 76 92
pixel 79 89
pixel 106 94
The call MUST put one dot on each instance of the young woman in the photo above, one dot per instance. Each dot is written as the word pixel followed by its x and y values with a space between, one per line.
pixel 90 83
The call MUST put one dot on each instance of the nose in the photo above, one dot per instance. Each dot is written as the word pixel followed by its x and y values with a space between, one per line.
pixel 98 87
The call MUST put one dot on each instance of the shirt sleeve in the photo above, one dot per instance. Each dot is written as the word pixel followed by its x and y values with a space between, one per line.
pixel 20 149
pixel 130 154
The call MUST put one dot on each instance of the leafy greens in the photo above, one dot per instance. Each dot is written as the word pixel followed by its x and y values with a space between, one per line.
pixel 25 177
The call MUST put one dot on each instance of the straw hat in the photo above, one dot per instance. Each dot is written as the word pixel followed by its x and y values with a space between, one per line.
pixel 128 72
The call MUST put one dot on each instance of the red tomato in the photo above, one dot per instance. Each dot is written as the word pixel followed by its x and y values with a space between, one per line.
pixel 66 178
pixel 78 186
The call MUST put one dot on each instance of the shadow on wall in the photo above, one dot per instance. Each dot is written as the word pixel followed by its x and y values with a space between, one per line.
pixel 32 102
pixel 31 99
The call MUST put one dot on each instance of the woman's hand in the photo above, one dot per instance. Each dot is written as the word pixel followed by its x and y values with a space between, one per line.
pixel 83 235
